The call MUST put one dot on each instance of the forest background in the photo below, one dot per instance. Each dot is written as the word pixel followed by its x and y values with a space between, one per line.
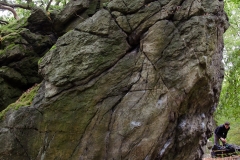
pixel 228 108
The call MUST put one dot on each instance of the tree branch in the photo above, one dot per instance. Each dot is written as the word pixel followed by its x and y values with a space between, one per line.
pixel 48 5
pixel 23 6
pixel 57 3
pixel 10 9
pixel 3 22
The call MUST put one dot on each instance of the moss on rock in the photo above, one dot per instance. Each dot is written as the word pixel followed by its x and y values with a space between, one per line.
pixel 25 100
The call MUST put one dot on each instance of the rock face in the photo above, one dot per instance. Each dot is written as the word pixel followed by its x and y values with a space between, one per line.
pixel 138 79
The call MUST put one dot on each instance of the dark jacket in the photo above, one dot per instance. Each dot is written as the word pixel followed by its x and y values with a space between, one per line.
pixel 221 131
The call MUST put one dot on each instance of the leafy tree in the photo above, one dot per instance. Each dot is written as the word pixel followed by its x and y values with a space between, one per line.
pixel 21 8
pixel 229 107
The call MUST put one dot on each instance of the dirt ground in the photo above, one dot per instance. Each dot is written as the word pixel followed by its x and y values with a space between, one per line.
pixel 225 158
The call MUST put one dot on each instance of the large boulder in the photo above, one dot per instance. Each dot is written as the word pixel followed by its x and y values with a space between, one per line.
pixel 138 79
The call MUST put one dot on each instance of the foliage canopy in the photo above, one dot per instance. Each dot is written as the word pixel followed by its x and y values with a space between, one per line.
pixel 15 9
pixel 229 106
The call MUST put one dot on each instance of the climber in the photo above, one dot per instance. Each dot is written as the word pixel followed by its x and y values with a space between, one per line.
pixel 221 133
